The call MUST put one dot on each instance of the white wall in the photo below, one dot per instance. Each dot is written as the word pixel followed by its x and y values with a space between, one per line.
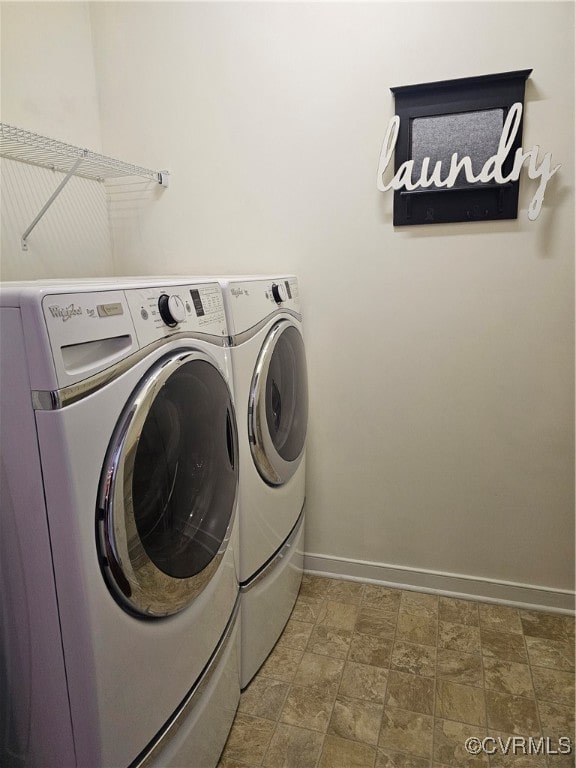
pixel 48 87
pixel 441 358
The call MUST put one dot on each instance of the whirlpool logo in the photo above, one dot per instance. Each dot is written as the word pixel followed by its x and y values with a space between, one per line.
pixel 65 313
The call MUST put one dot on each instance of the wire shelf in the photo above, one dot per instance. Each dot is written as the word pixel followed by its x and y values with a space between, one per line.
pixel 34 149
pixel 27 147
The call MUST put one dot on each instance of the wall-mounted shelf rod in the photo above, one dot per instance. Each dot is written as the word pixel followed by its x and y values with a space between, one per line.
pixel 34 149
pixel 48 203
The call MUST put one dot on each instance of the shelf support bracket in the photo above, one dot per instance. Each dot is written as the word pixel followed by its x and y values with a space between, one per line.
pixel 53 196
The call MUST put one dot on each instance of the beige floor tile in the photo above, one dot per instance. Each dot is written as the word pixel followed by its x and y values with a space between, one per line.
pixel 543 652
pixel 463 703
pixel 264 697
pixel 557 720
pixel 365 676
pixel 296 634
pixel 502 618
pixel 512 714
pixel 419 604
pixel 561 761
pixel 505 646
pixel 372 621
pixel 413 658
pixel 309 707
pixel 338 615
pixel 458 637
pixel 231 763
pixel 307 609
pixel 449 744
pixel 293 747
pixel 465 668
pixel 549 625
pixel 329 642
pixel 364 681
pixel 507 677
pixel 248 739
pixel 389 758
pixel 355 719
pixel 553 685
pixel 422 630
pixel 315 586
pixel 404 731
pixel 282 663
pixel 411 692
pixel 458 611
pixel 382 598
pixel 342 753
pixel 346 591
pixel 319 671
pixel 370 649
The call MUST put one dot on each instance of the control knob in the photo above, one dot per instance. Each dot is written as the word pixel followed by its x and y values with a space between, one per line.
pixel 172 309
pixel 279 293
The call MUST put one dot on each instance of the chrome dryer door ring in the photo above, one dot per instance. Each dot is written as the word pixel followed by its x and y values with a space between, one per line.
pixel 278 404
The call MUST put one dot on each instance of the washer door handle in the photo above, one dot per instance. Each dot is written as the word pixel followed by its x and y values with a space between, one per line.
pixel 230 439
pixel 276 405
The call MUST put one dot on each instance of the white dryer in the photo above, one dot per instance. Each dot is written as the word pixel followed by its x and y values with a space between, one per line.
pixel 119 547
pixel 271 392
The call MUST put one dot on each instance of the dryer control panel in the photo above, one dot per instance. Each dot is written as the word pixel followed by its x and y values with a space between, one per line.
pixel 250 301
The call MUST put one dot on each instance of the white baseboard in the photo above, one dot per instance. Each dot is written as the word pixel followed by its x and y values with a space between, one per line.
pixel 451 584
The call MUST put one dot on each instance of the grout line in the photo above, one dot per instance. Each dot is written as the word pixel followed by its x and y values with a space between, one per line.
pixel 435 683
pixel 489 757
pixel 546 757
pixel 325 600
pixel 389 668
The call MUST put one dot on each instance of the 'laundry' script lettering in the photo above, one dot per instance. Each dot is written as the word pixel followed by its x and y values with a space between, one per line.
pixel 491 170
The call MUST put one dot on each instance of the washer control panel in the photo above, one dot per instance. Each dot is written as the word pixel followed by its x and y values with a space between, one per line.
pixel 160 311
pixel 89 330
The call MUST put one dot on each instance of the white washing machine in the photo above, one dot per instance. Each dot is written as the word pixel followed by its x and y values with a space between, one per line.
pixel 119 535
pixel 271 393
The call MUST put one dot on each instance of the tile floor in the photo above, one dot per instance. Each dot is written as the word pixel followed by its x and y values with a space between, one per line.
pixel 369 677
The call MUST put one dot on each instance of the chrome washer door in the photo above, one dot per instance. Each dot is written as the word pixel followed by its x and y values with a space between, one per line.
pixel 168 489
pixel 278 404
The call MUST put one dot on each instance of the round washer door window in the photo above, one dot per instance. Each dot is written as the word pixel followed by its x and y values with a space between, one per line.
pixel 278 407
pixel 168 489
